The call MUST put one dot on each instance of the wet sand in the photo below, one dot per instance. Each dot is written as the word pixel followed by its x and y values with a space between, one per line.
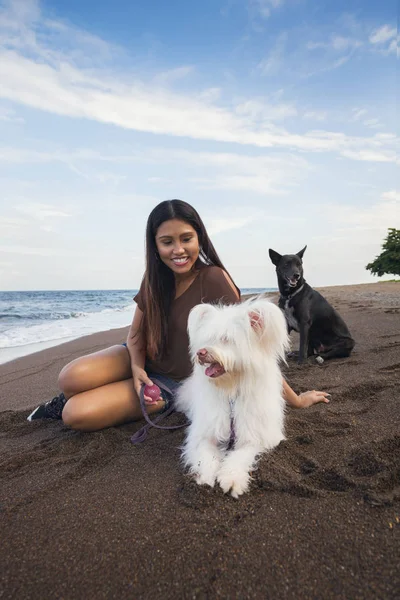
pixel 92 516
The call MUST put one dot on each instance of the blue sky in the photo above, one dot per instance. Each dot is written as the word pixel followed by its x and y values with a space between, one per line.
pixel 274 118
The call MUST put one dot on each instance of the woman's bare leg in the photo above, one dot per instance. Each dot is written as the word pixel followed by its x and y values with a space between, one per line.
pixel 95 370
pixel 100 391
pixel 105 406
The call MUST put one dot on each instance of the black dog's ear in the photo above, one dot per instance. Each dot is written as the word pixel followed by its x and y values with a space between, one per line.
pixel 300 254
pixel 274 256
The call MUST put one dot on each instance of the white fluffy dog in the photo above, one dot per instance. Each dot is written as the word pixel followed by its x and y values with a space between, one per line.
pixel 233 399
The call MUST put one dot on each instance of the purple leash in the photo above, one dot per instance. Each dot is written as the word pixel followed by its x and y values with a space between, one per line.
pixel 141 435
pixel 232 435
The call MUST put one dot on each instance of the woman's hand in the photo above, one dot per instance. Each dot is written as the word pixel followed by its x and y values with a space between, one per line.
pixel 307 399
pixel 140 378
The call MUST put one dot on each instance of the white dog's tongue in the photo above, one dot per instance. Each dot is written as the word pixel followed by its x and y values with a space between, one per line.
pixel 215 370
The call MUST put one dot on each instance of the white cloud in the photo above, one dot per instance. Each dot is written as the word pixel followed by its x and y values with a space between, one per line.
pixel 61 84
pixel 172 75
pixel 315 45
pixel 391 195
pixel 330 67
pixel 341 43
pixel 264 175
pixel 20 12
pixel 157 180
pixel 382 34
pixel 316 115
pixel 261 112
pixel 263 8
pixel 337 42
pixel 355 237
pixel 375 219
pixel 252 153
pixel 58 91
pixel 210 95
pixel 358 113
pixel 215 226
pixel 394 47
pixel 258 184
pixel 32 251
pixel 41 212
pixel 36 218
pixel 271 64
pixel 379 38
pixel 9 115
pixel 338 63
pixel 371 155
pixel 373 123
pixel 23 27
pixel 271 174
pixel 11 227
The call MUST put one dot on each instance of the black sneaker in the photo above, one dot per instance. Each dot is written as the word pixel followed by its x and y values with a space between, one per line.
pixel 50 410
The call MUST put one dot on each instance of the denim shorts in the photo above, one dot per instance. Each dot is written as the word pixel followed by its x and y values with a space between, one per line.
pixel 167 381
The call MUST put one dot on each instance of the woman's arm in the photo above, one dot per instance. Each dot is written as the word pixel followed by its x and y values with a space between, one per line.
pixel 135 341
pixel 136 345
pixel 305 399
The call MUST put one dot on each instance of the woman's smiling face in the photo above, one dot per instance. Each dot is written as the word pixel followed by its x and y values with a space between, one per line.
pixel 178 246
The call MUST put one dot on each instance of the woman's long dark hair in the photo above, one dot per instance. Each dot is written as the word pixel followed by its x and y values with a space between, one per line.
pixel 159 280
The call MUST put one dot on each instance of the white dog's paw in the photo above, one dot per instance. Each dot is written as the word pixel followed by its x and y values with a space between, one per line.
pixel 206 471
pixel 205 479
pixel 235 482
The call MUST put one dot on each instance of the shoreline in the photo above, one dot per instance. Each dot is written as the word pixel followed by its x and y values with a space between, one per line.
pixel 16 352
pixel 27 339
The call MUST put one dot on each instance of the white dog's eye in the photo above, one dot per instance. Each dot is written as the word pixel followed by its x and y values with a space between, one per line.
pixel 224 339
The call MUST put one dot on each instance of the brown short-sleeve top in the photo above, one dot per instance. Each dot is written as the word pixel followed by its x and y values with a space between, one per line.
pixel 210 286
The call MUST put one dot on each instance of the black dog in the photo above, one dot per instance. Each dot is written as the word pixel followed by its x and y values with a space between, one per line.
pixel 322 330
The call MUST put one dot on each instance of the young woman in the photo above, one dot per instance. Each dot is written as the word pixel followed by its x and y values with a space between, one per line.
pixel 182 270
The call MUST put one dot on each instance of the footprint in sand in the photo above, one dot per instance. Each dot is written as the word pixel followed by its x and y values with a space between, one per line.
pixel 391 368
pixel 375 470
pixel 388 346
pixel 358 399
pixel 52 455
pixel 372 472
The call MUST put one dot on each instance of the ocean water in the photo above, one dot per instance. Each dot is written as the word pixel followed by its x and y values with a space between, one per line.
pixel 33 321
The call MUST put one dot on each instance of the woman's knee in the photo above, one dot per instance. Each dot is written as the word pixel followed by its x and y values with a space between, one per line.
pixel 95 370
pixel 76 416
pixel 73 378
pixel 69 417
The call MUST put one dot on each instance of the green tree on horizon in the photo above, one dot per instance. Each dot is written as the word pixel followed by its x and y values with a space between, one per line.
pixel 389 259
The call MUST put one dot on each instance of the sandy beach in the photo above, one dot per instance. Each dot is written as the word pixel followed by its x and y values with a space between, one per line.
pixel 92 516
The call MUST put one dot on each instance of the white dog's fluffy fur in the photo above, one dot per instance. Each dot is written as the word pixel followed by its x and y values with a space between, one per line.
pixel 236 352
